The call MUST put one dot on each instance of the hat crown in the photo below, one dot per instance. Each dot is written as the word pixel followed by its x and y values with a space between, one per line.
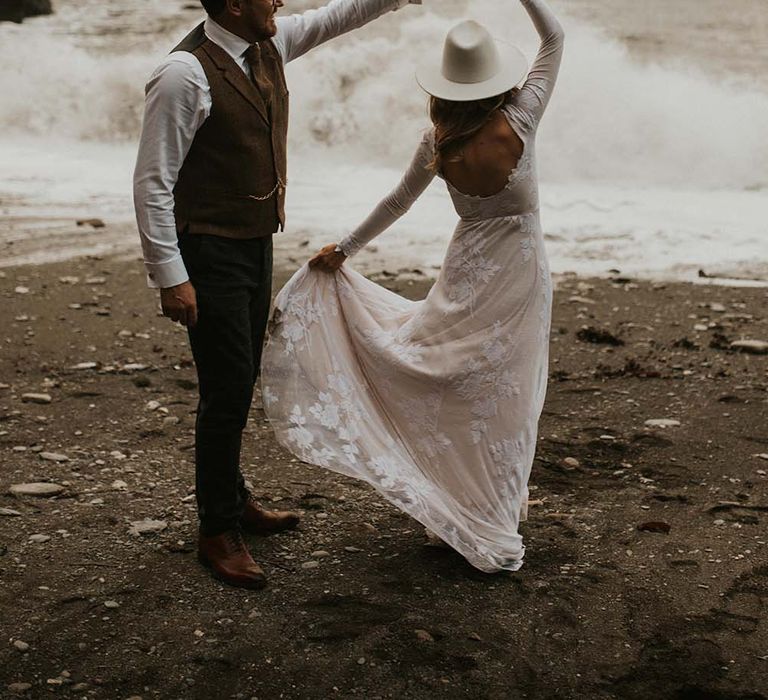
pixel 470 54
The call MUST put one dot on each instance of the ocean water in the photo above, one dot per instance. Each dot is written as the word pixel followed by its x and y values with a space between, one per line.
pixel 653 156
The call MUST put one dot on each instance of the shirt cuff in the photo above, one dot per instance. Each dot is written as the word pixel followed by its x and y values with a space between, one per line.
pixel 167 274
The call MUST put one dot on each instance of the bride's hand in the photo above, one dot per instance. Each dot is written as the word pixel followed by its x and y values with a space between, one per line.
pixel 328 259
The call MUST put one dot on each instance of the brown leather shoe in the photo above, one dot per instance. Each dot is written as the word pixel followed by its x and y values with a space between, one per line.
pixel 230 561
pixel 258 521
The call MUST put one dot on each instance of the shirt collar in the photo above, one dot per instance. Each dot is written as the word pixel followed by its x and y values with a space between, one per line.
pixel 234 45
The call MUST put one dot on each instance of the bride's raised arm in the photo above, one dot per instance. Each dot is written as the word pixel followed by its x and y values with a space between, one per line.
pixel 397 203
pixel 537 89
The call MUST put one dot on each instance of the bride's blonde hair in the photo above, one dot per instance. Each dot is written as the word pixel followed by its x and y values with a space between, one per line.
pixel 457 122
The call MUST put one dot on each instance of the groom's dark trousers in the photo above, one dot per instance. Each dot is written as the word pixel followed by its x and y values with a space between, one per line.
pixel 233 280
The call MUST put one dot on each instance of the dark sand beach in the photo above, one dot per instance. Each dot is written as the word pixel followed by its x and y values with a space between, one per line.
pixel 646 573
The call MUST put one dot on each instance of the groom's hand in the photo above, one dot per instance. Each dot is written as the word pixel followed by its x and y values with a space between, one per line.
pixel 328 259
pixel 179 303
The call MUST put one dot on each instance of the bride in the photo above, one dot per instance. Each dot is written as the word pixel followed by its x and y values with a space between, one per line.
pixel 436 403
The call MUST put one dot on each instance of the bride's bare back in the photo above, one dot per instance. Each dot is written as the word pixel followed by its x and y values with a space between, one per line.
pixel 486 160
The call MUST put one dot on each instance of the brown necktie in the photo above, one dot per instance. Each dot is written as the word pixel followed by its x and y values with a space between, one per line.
pixel 256 64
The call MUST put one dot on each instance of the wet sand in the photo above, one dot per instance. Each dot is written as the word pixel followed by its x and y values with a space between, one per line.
pixel 646 571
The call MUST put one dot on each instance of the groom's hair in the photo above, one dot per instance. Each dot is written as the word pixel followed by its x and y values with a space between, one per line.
pixel 214 7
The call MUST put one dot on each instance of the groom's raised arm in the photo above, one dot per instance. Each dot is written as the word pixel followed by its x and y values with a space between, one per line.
pixel 297 34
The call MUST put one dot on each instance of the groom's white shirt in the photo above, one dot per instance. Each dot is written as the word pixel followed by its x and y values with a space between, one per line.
pixel 178 101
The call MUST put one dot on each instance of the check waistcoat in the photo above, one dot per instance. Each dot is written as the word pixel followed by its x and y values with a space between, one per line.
pixel 239 153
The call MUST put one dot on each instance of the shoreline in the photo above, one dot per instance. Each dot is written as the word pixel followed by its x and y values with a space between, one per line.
pixel 645 549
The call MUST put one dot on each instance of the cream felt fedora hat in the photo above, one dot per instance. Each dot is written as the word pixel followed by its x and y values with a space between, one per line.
pixel 474 66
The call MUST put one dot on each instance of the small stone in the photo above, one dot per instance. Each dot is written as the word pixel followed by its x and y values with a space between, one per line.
pixel 571 463
pixel 39 539
pixel 37 489
pixel 474 636
pixel 111 604
pixel 134 367
pixel 320 554
pixel 655 526
pixel 85 365
pixel 310 565
pixel 19 688
pixel 116 454
pixel 93 223
pixel 762 455
pixel 423 636
pixel 147 527
pixel 21 646
pixel 171 420
pixel 69 280
pixel 715 306
pixel 753 347
pixel 96 280
pixel 21 290
pixel 153 405
pixel 352 550
pixel 701 327
pixel 54 457
pixel 36 398
pixel 125 334
pixel 9 511
pixel 662 423
pixel 119 484
pixel 361 661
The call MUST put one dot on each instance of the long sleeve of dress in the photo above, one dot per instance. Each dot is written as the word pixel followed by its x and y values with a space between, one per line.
pixel 416 179
pixel 534 96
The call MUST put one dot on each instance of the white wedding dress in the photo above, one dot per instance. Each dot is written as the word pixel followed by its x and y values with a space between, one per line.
pixel 434 403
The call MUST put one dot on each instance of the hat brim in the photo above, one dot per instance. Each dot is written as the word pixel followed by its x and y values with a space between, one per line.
pixel 514 69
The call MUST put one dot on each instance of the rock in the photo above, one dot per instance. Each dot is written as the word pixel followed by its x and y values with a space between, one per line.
pixel 54 457
pixel 147 527
pixel 320 554
pixel 153 405
pixel 598 336
pixel 352 550
pixel 715 306
pixel 21 290
pixel 39 539
pixel 19 688
pixel 119 484
pixel 37 489
pixel 9 511
pixel 762 455
pixel 310 565
pixel 93 223
pixel 21 646
pixel 111 604
pixel 662 423
pixel 753 347
pixel 581 300
pixel 571 463
pixel 69 279
pixel 36 398
pixel 17 10
pixel 85 365
pixel 171 420
pixel 423 636
pixel 655 526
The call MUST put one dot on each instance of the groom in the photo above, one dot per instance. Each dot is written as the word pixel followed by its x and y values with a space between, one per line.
pixel 209 191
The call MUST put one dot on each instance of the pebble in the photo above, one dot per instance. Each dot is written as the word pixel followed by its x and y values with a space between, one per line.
pixel 69 279
pixel 111 604
pixel 96 280
pixel 571 463
pixel 21 646
pixel 36 398
pixel 39 539
pixel 423 636
pixel 147 527
pixel 119 484
pixel 19 688
pixel 320 554
pixel 153 405
pixel 753 347
pixel 310 565
pixel 21 290
pixel 54 457
pixel 171 420
pixel 85 365
pixel 9 511
pixel 37 489
pixel 116 454
pixel 352 550
pixel 662 423
pixel 361 661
